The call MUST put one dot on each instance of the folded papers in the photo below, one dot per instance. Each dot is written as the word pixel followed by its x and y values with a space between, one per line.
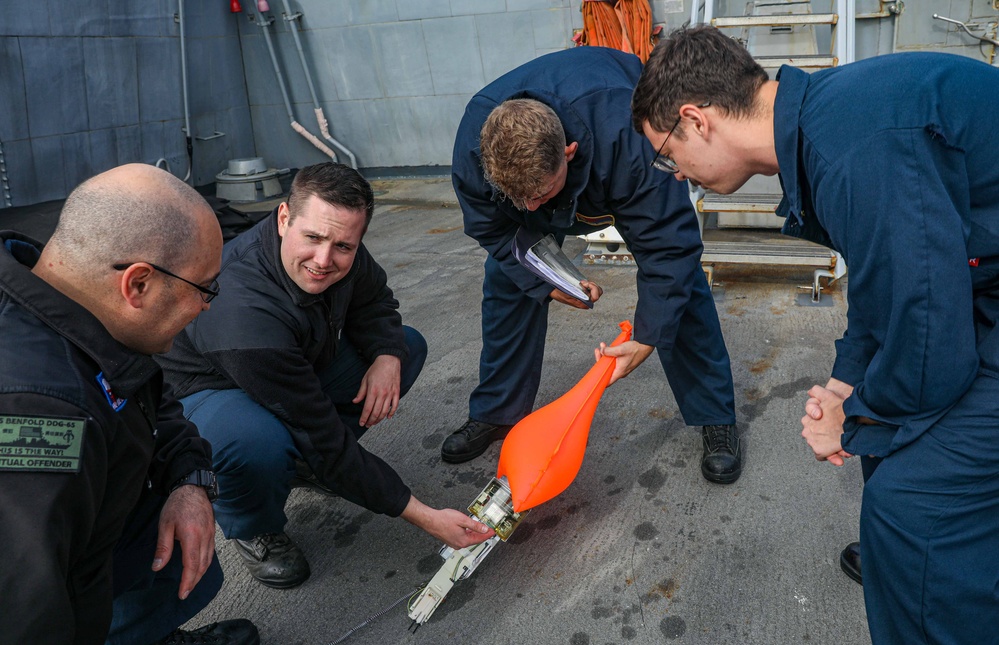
pixel 542 256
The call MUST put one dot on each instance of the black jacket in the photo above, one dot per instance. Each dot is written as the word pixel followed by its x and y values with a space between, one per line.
pixel 267 337
pixel 72 467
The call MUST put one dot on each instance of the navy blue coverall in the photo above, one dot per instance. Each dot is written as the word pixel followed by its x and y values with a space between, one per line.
pixel 892 162
pixel 609 182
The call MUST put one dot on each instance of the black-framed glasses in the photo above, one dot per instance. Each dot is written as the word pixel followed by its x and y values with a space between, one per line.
pixel 207 293
pixel 663 162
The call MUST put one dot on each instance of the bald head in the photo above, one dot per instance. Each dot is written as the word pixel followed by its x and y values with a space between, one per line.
pixel 130 213
pixel 134 216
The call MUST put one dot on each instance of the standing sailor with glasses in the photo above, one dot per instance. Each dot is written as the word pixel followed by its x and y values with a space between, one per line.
pixel 549 147
pixel 892 162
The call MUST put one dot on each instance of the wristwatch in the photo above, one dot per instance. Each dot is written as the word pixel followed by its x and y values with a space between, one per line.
pixel 203 478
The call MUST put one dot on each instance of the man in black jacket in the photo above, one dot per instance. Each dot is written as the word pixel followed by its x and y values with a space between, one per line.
pixel 303 351
pixel 100 474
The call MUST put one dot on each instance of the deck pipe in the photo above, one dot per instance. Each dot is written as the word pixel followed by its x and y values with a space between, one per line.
pixel 292 19
pixel 183 76
pixel 295 125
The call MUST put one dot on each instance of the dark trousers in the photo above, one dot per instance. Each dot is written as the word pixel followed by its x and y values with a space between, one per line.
pixel 146 606
pixel 514 327
pixel 253 451
pixel 929 530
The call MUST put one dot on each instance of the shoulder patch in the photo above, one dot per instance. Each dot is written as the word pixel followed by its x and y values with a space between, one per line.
pixel 116 403
pixel 41 444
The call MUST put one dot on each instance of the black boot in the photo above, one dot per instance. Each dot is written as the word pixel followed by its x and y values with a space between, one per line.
pixel 274 560
pixel 471 440
pixel 227 632
pixel 722 460
pixel 849 562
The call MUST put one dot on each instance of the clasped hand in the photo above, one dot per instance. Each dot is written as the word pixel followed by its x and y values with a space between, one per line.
pixel 822 425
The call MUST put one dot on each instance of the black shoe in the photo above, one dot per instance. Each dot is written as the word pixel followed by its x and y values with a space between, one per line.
pixel 722 460
pixel 849 562
pixel 306 478
pixel 274 560
pixel 471 440
pixel 228 632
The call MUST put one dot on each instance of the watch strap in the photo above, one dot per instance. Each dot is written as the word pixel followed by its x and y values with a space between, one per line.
pixel 202 478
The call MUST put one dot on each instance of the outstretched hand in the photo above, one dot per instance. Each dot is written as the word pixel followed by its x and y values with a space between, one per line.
pixel 451 527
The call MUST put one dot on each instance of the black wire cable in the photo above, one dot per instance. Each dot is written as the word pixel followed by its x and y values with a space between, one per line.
pixel 372 617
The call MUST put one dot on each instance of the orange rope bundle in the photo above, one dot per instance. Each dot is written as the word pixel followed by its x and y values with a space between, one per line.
pixel 619 24
pixel 601 27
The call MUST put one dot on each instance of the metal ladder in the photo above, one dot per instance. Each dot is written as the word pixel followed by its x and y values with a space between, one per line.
pixel 751 208
pixel 754 204
pixel 843 40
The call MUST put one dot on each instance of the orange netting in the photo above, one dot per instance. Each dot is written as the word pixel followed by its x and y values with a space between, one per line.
pixel 619 24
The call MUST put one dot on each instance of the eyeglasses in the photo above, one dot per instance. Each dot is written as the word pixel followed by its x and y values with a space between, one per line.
pixel 207 293
pixel 662 162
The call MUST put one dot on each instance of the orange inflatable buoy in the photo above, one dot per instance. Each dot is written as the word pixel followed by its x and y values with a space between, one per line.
pixel 543 453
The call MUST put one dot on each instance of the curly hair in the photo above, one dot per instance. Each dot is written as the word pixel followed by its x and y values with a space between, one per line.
pixel 695 65
pixel 523 145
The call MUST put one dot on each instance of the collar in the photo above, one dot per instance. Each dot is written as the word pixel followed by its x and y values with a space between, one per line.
pixel 125 369
pixel 270 243
pixel 793 83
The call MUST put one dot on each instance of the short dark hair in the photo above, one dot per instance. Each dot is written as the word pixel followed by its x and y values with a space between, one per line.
pixel 695 65
pixel 335 184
